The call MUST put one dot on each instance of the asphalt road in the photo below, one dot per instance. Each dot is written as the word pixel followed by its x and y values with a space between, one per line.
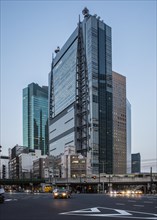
pixel 22 206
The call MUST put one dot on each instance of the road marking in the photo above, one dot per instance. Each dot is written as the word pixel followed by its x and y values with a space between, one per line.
pixel 131 201
pixel 117 213
pixel 93 210
pixel 139 205
pixel 120 204
pixel 8 200
pixel 148 202
pixel 88 210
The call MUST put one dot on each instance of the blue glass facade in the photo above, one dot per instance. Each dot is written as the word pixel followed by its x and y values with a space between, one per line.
pixel 35 117
pixel 64 78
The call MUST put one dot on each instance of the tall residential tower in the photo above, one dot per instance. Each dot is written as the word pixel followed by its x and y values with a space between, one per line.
pixel 35 117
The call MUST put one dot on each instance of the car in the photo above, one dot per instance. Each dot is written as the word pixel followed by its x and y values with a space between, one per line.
pixel 61 194
pixel 28 191
pixel 2 195
pixel 139 192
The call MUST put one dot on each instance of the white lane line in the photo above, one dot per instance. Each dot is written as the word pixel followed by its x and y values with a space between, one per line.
pixel 131 201
pixel 139 205
pixel 148 202
pixel 8 200
pixel 120 204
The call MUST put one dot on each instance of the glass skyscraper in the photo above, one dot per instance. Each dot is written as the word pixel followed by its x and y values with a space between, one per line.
pixel 35 117
pixel 80 95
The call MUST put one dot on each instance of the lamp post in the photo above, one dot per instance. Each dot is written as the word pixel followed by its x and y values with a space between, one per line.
pixel 151 180
pixel 100 177
pixel 53 166
pixel 80 157
pixel 0 162
pixel 103 164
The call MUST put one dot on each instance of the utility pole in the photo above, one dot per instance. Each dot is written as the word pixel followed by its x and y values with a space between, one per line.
pixel 151 180
pixel 99 180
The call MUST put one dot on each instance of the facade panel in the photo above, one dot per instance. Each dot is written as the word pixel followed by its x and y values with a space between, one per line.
pixel 61 132
pixel 64 80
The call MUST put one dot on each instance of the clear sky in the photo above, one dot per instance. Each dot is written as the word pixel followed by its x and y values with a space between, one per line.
pixel 31 30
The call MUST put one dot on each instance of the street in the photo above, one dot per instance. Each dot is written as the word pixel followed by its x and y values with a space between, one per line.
pixel 42 206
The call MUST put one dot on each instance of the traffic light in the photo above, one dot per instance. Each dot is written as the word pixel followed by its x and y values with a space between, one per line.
pixel 3 171
pixel 94 177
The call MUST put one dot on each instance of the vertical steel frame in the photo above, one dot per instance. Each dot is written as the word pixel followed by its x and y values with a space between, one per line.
pixel 82 98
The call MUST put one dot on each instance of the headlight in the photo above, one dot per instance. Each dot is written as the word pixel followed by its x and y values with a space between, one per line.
pixel 56 194
pixel 64 194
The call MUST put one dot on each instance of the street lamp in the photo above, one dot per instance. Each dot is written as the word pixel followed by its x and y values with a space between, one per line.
pixel 53 167
pixel 0 162
pixel 104 163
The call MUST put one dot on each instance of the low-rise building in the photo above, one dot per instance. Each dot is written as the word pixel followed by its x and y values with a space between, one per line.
pixel 26 163
pixel 43 168
pixel 4 169
pixel 69 164
pixel 14 160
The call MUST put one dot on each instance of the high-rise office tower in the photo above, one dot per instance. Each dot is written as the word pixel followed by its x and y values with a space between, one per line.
pixel 119 123
pixel 80 98
pixel 136 163
pixel 128 129
pixel 35 117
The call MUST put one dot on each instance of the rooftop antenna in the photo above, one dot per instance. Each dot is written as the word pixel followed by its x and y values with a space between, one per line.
pixel 85 12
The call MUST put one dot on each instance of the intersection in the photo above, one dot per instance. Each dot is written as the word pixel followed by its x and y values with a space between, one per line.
pixel 85 206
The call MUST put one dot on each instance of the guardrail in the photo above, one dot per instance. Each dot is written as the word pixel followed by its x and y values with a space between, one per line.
pixel 82 180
